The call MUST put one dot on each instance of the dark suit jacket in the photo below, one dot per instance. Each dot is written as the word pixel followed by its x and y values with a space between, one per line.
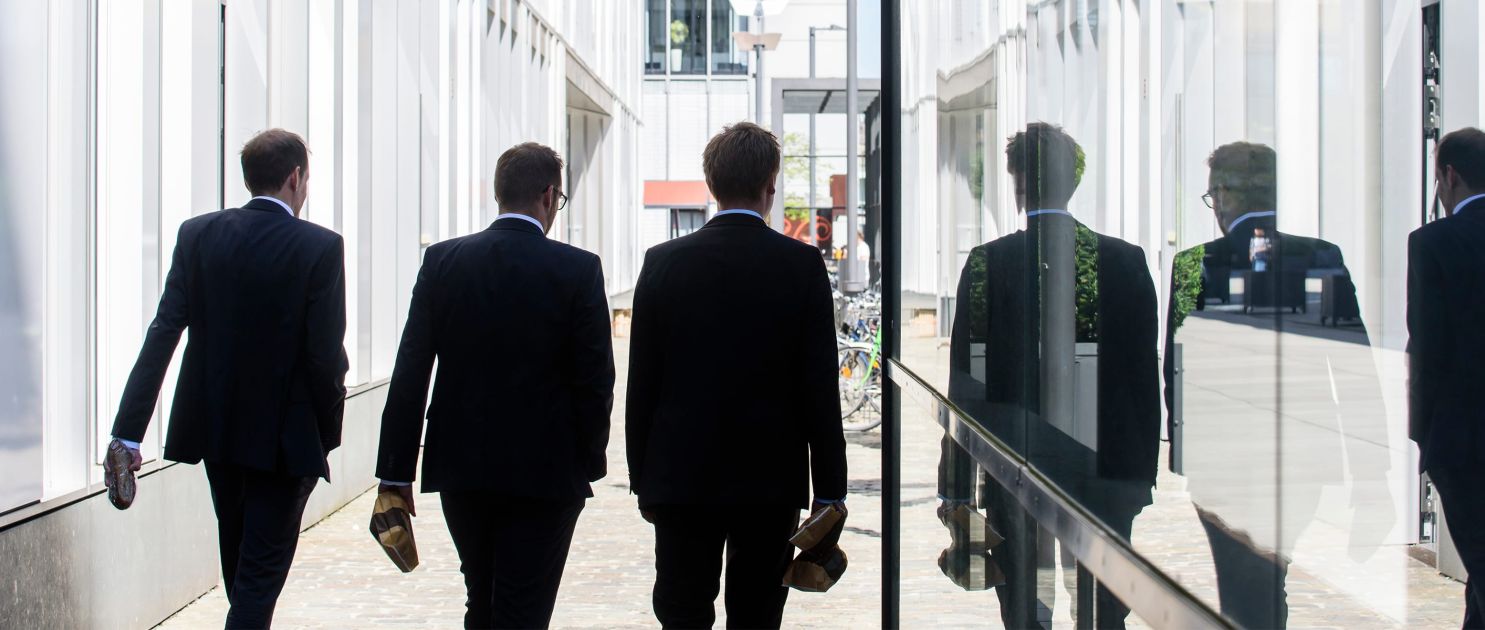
pixel 733 393
pixel 520 327
pixel 1294 256
pixel 1446 343
pixel 998 306
pixel 262 380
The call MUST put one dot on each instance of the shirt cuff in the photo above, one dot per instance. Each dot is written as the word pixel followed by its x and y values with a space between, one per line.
pixel 128 443
pixel 829 501
pixel 395 483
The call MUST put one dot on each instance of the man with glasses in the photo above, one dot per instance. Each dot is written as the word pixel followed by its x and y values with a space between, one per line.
pixel 1446 350
pixel 1255 474
pixel 519 418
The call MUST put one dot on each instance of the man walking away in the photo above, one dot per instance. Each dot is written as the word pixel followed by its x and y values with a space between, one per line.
pixel 722 447
pixel 1446 351
pixel 520 413
pixel 261 386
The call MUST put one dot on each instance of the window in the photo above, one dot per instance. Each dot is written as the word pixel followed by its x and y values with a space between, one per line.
pixel 727 58
pixel 656 13
pixel 684 221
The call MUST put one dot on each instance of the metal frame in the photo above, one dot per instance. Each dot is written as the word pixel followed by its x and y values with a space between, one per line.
pixel 891 170
pixel 1156 597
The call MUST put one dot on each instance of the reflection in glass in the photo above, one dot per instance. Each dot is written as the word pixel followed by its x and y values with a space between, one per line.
pixel 1053 350
pixel 1276 406
pixel 727 58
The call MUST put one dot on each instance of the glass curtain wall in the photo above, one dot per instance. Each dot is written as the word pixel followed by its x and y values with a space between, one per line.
pixel 1156 250
pixel 693 37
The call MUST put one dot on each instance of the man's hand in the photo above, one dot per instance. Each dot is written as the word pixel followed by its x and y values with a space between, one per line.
pixel 119 465
pixel 405 492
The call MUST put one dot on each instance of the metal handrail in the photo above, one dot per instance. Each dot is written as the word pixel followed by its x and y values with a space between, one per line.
pixel 1149 592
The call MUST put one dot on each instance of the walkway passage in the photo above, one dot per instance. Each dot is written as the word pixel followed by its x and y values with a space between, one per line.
pixel 341 579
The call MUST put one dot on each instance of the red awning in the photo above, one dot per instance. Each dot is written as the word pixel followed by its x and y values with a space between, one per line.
pixel 676 194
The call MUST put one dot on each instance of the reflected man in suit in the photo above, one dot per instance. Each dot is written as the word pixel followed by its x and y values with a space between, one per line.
pixel 262 383
pixel 1446 350
pixel 519 417
pixel 1025 302
pixel 1256 474
pixel 726 460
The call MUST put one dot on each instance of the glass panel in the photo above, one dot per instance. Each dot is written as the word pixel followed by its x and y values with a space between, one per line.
pixel 657 36
pixel 965 533
pixel 686 34
pixel 727 58
pixel 1173 273
pixel 23 31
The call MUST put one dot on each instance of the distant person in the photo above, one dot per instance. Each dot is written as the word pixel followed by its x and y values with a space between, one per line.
pixel 1446 351
pixel 997 350
pixel 726 458
pixel 1255 474
pixel 519 419
pixel 262 382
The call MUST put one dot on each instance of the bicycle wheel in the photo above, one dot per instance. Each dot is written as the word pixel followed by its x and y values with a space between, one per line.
pixel 848 373
pixel 861 408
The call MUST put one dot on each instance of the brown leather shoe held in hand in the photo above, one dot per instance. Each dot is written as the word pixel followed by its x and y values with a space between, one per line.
pixel 821 562
pixel 119 464
pixel 391 526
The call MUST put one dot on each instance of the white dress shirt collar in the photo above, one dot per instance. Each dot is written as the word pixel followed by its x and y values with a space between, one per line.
pixel 1460 206
pixel 1251 215
pixel 1042 211
pixel 738 211
pixel 277 201
pixel 524 217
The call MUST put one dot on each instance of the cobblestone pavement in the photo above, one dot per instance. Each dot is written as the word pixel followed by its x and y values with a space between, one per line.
pixel 341 580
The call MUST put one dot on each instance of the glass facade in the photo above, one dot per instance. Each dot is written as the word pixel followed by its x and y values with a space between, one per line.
pixel 1155 251
pixel 693 37
pixel 129 128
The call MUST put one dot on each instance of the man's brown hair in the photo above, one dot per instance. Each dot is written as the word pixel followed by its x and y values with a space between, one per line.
pixel 1250 172
pixel 1464 149
pixel 270 157
pixel 523 173
pixel 1044 159
pixel 740 162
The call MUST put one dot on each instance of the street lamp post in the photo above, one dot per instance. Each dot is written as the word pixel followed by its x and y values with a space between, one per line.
pixel 758 70
pixel 759 42
pixel 850 282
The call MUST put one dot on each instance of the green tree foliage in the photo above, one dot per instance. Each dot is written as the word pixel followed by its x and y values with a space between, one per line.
pixel 1186 281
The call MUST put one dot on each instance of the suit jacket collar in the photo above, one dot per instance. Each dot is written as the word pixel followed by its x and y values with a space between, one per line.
pixel 743 220
pixel 266 206
pixel 516 225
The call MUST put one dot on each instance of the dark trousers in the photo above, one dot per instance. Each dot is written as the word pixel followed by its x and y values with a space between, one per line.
pixel 1459 488
pixel 1029 549
pixel 511 551
pixel 258 518
pixel 1250 580
pixel 689 543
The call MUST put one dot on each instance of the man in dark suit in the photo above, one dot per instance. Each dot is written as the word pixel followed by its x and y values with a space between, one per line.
pixel 1026 302
pixel 727 458
pixel 1446 351
pixel 261 385
pixel 519 418
pixel 1256 475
